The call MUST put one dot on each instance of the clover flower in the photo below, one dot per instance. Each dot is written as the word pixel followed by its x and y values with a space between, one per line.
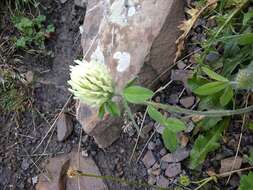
pixel 244 78
pixel 91 82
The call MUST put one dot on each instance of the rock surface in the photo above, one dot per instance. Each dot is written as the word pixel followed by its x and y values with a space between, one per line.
pixel 58 167
pixel 187 102
pixel 227 164
pixel 64 126
pixel 177 156
pixel 56 170
pixel 133 38
pixel 149 159
pixel 173 170
pixel 162 182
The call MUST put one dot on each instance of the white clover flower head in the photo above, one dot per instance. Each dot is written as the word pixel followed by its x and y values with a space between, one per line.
pixel 91 82
pixel 244 78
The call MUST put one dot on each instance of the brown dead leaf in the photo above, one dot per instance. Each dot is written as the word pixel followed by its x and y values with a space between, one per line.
pixel 183 139
pixel 211 173
pixel 187 25
pixel 197 118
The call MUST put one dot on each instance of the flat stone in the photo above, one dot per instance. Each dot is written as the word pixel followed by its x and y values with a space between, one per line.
pixel 58 167
pixel 212 57
pixel 87 165
pixel 149 159
pixel 64 127
pixel 227 164
pixel 151 145
pixel 163 151
pixel 162 181
pixel 181 65
pixel 151 180
pixel 177 156
pixel 187 102
pixel 180 75
pixel 105 131
pixel 133 40
pixel 156 172
pixel 173 99
pixel 173 170
pixel 164 165
pixel 25 164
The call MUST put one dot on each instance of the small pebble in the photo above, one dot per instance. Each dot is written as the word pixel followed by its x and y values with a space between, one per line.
pixel 151 145
pixel 212 56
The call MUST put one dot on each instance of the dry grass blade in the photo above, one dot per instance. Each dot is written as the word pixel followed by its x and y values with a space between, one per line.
pixel 187 25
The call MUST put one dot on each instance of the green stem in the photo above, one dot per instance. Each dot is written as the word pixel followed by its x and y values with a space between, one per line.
pixel 122 181
pixel 204 183
pixel 210 113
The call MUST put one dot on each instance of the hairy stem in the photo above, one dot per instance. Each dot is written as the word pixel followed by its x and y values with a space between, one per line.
pixel 119 180
pixel 210 113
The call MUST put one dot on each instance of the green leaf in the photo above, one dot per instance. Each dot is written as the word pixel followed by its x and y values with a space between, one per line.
pixel 50 28
pixel 39 19
pixel 101 111
pixel 112 108
pixel 226 96
pixel 246 182
pixel 231 48
pixel 247 17
pixel 156 115
pixel 21 43
pixel 211 88
pixel 195 82
pixel 214 75
pixel 173 124
pixel 137 94
pixel 208 123
pixel 250 157
pixel 246 39
pixel 250 126
pixel 170 139
pixel 206 143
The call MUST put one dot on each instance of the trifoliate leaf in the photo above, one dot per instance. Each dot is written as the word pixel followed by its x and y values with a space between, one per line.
pixel 206 143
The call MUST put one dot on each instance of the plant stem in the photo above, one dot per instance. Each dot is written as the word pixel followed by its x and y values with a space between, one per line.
pixel 118 180
pixel 207 180
pixel 211 113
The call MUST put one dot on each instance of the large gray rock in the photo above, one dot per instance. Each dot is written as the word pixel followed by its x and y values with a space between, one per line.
pixel 133 39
